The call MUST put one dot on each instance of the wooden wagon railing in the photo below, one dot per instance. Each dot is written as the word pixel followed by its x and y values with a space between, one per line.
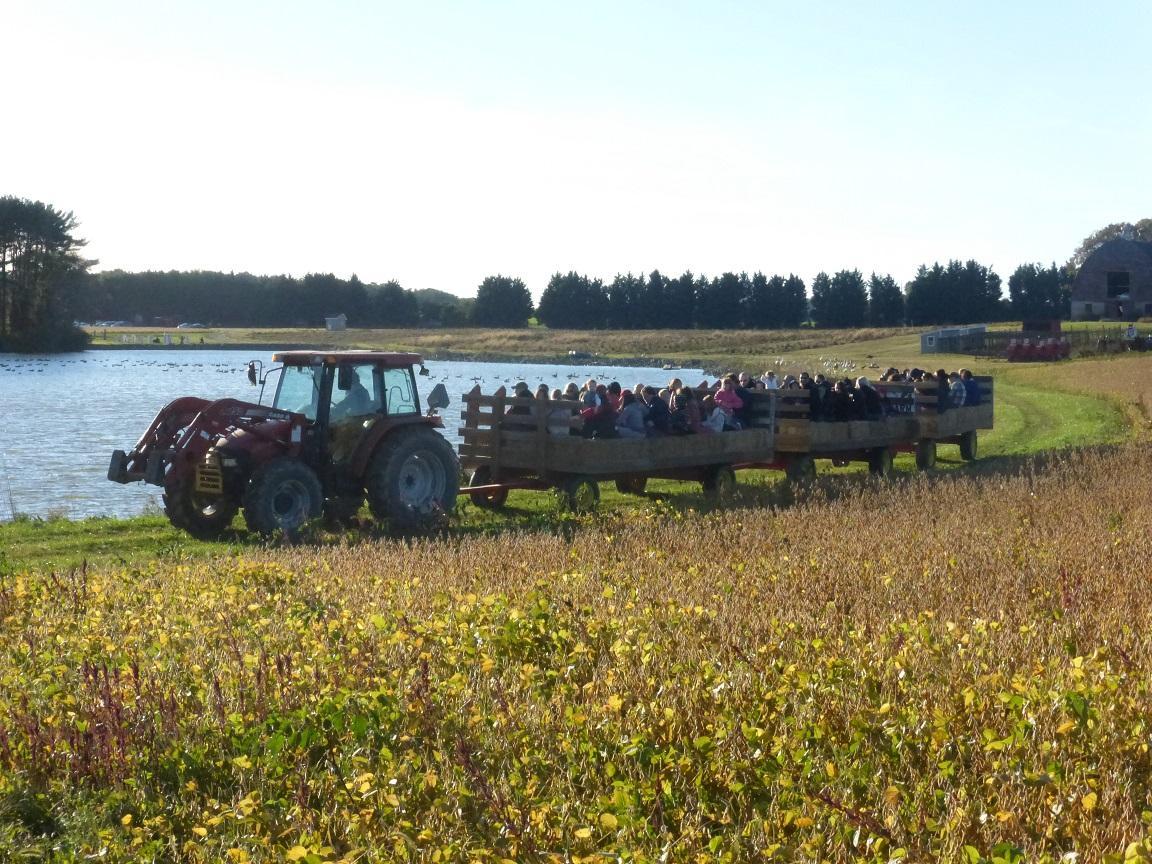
pixel 513 436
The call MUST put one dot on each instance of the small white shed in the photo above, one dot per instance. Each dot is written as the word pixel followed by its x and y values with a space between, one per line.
pixel 337 322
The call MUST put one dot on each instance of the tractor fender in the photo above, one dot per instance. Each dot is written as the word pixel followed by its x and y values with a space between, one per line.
pixel 378 431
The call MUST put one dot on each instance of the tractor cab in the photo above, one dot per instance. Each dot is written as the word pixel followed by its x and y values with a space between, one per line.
pixel 335 387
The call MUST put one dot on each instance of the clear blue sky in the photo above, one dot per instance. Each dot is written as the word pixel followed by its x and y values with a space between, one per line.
pixel 437 143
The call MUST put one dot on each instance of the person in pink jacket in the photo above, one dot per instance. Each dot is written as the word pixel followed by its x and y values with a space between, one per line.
pixel 730 403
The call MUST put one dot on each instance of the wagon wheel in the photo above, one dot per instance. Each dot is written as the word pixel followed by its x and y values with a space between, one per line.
pixel 493 500
pixel 968 446
pixel 719 482
pixel 631 485
pixel 801 470
pixel 578 494
pixel 925 454
pixel 880 462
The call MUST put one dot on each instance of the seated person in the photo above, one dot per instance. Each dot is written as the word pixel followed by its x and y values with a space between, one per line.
pixel 870 405
pixel 356 401
pixel 743 387
pixel 730 402
pixel 971 387
pixel 600 421
pixel 521 391
pixel 686 419
pixel 659 416
pixel 956 391
pixel 614 393
pixel 838 403
pixel 714 418
pixel 559 414
pixel 630 422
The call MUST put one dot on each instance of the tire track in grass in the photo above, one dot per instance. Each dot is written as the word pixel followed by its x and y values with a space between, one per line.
pixel 1030 420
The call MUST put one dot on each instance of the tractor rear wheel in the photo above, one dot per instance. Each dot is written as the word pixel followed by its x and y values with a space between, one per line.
pixel 413 478
pixel 205 517
pixel 282 495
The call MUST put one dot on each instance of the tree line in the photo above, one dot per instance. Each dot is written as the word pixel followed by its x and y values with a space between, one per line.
pixel 951 293
pixel 45 285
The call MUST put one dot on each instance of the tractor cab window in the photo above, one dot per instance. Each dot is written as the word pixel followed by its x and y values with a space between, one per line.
pixel 399 392
pixel 299 390
pixel 355 392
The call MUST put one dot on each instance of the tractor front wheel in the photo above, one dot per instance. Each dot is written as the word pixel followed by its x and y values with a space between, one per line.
pixel 282 495
pixel 413 479
pixel 205 517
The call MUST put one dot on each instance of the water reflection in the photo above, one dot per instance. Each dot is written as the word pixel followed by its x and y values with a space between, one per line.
pixel 62 416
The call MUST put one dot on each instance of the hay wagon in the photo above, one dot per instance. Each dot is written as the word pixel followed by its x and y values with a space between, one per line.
pixel 913 422
pixel 510 442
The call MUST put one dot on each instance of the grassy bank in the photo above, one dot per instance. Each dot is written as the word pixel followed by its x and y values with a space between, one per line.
pixel 951 668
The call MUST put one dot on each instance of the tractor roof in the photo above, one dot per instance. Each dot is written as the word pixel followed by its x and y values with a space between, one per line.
pixel 392 360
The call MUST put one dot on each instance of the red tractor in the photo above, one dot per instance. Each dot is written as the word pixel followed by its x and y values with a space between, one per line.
pixel 344 426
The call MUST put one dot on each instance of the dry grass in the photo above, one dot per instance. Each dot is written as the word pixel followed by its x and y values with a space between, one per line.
pixel 955 666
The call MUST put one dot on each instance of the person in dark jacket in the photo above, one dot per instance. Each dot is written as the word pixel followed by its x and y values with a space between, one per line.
pixel 659 416
pixel 871 405
pixel 971 387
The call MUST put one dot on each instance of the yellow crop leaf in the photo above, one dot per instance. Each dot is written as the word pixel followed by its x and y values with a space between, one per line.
pixel 615 703
pixel 126 819
pixel 1065 727
pixel 583 833
pixel 803 822
pixel 892 796
pixel 200 831
pixel 1004 816
pixel 296 853
pixel 242 762
pixel 1088 802
pixel 608 821
pixel 830 769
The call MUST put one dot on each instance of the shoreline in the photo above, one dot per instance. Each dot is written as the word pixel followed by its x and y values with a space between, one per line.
pixel 706 366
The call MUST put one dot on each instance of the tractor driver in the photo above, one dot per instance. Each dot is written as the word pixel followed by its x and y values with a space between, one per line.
pixel 357 400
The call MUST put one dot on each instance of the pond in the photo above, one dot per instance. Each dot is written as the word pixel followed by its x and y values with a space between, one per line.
pixel 61 416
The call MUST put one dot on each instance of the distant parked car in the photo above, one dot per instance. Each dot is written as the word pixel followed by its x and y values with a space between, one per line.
pixel 187 326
